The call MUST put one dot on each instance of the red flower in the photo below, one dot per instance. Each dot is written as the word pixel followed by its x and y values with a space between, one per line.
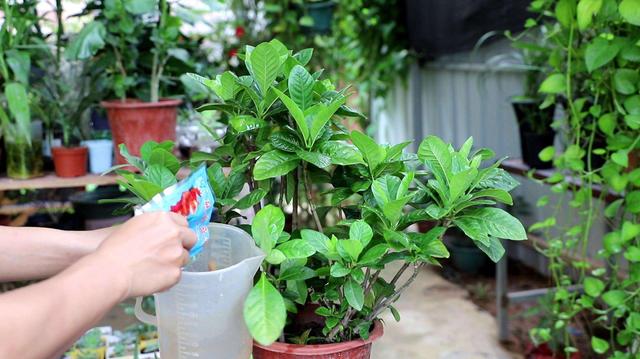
pixel 188 202
pixel 233 53
pixel 239 31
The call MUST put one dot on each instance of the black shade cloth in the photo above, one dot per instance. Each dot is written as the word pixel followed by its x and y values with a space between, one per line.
pixel 441 27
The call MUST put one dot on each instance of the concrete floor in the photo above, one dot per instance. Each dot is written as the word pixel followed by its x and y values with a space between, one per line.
pixel 438 321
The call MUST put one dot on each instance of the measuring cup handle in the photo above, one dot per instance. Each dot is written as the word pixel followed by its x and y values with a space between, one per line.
pixel 142 315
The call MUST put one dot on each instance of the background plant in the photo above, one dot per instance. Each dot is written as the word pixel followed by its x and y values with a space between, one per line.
pixel 594 74
pixel 285 141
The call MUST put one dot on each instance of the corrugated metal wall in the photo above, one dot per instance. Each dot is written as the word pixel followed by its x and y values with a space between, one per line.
pixel 458 97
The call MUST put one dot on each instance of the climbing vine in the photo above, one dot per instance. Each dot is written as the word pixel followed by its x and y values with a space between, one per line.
pixel 595 79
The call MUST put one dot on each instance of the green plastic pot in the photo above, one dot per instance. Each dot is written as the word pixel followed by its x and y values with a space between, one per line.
pixel 465 256
pixel 87 203
pixel 322 14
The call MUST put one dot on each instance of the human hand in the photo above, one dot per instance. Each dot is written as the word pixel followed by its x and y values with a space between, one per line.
pixel 147 252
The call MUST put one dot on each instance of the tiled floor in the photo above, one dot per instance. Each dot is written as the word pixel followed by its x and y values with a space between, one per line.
pixel 438 321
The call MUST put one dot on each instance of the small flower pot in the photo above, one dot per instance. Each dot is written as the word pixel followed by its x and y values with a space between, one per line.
pixel 543 351
pixel 134 122
pixel 24 160
pixel 100 155
pixel 532 142
pixel 322 14
pixel 354 349
pixel 70 162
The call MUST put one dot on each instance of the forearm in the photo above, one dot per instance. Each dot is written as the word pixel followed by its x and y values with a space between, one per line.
pixel 35 253
pixel 55 312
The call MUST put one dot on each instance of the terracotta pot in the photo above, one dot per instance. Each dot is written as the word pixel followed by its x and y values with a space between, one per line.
pixel 355 349
pixel 70 161
pixel 543 351
pixel 134 122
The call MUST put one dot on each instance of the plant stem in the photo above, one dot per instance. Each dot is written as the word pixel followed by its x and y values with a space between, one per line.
pixel 342 325
pixel 307 187
pixel 296 199
pixel 59 32
pixel 397 276
pixel 385 303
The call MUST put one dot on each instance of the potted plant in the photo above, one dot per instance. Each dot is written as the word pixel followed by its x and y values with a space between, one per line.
pixel 534 115
pixel 118 32
pixel 67 93
pixel 22 138
pixel 347 199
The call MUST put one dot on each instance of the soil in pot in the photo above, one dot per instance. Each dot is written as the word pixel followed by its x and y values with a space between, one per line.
pixel 354 349
pixel 70 161
pixel 135 122
pixel 534 139
pixel 24 160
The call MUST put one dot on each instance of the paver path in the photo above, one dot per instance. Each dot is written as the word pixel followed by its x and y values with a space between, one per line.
pixel 438 321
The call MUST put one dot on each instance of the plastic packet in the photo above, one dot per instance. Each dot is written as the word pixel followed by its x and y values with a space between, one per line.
pixel 193 198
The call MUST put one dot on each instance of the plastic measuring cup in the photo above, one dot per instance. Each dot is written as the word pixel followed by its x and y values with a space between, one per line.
pixel 201 316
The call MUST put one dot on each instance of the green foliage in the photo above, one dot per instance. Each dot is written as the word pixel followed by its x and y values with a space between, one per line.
pixel 595 61
pixel 285 140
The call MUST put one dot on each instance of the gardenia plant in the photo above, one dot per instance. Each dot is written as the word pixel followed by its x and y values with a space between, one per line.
pixel 337 204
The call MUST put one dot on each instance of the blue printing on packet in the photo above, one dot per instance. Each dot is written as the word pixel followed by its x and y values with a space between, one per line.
pixel 192 197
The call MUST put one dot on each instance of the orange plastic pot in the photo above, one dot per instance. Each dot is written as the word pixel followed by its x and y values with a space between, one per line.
pixel 70 162
pixel 134 122
pixel 355 349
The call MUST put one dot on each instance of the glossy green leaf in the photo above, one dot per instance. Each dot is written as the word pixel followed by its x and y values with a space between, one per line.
pixel 586 10
pixel 301 87
pixel 315 158
pixel 321 118
pixel 244 123
pixel 265 65
pixel 372 153
pixel 296 113
pixel 20 64
pixel 625 81
pixel 614 298
pixel 554 84
pixel 436 154
pixel 493 249
pixel 349 249
pixel 18 103
pixel 297 273
pixel 296 248
pixel 160 156
pixel 317 240
pixel 274 164
pixel 599 53
pixel 251 199
pixel 361 231
pixel 87 42
pixel 264 312
pixel 339 270
pixel 593 286
pixel 160 176
pixel 341 153
pixel 285 141
pixel 630 11
pixel 599 346
pixel 354 294
pixel 373 254
pixel 267 226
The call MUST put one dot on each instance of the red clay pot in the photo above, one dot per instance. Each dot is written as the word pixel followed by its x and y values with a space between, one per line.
pixel 543 351
pixel 355 349
pixel 70 161
pixel 134 122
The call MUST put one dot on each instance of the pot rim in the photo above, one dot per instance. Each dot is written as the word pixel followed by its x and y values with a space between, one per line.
pixel 80 148
pixel 320 349
pixel 135 104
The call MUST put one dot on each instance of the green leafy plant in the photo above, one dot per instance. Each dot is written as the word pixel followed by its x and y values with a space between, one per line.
pixel 337 205
pixel 121 28
pixel 594 74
